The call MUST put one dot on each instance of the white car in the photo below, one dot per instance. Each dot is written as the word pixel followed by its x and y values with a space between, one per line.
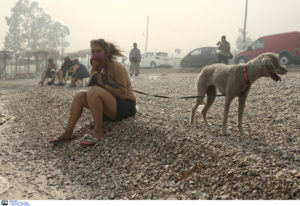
pixel 156 59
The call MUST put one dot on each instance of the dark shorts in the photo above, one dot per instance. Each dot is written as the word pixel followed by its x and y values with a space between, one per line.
pixel 125 108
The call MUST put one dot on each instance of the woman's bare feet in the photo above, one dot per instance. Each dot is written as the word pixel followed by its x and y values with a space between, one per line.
pixel 90 140
pixel 61 138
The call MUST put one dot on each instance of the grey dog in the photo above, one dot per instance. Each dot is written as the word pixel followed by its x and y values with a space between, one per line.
pixel 234 81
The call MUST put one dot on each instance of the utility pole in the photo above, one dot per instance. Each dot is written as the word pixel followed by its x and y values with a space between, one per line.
pixel 245 23
pixel 147 34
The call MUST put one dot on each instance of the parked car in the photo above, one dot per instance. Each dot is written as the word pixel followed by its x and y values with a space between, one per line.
pixel 200 57
pixel 287 45
pixel 156 59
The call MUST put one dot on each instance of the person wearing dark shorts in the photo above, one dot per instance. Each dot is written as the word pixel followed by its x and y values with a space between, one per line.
pixel 108 97
pixel 79 72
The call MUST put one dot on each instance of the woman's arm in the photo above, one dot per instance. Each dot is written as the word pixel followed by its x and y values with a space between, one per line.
pixel 121 78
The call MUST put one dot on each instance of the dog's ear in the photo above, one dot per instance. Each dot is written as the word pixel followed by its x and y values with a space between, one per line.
pixel 268 62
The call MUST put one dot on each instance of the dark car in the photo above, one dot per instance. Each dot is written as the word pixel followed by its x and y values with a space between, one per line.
pixel 200 57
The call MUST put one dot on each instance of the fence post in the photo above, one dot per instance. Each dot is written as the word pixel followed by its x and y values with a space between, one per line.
pixel 4 64
pixel 36 63
pixel 11 62
pixel 28 63
pixel 16 64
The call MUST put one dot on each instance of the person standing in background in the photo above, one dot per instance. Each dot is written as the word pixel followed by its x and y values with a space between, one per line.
pixel 135 59
pixel 224 47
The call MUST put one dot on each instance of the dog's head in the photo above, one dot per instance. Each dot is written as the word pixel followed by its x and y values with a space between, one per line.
pixel 271 66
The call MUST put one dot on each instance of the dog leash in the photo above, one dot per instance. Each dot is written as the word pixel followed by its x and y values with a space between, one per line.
pixel 168 97
pixel 113 83
pixel 163 96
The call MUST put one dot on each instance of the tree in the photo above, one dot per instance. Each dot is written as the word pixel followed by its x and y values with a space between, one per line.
pixel 31 28
pixel 13 40
pixel 240 40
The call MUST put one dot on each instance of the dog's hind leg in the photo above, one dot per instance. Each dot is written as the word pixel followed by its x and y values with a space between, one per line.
pixel 199 100
pixel 211 95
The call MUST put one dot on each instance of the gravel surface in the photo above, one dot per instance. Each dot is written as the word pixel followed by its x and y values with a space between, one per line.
pixel 157 154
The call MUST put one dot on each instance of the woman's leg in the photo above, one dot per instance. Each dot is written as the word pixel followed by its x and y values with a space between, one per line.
pixel 101 101
pixel 43 78
pixel 78 103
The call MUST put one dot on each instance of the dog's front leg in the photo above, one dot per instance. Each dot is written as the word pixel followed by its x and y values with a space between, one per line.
pixel 242 101
pixel 225 117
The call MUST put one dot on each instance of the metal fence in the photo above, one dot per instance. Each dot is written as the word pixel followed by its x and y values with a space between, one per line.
pixel 12 65
pixel 35 61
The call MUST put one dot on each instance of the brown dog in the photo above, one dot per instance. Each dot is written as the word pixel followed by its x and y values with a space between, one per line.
pixel 234 81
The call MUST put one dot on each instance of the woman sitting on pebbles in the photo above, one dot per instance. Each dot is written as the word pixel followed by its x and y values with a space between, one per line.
pixel 109 96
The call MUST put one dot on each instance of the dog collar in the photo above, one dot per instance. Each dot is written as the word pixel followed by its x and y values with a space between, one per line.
pixel 246 75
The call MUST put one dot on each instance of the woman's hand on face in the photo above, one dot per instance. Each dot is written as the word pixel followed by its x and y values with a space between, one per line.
pixel 95 65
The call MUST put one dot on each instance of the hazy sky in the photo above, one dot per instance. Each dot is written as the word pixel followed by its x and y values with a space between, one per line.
pixel 184 24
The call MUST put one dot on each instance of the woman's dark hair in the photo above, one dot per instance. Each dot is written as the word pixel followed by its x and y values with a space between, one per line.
pixel 110 49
